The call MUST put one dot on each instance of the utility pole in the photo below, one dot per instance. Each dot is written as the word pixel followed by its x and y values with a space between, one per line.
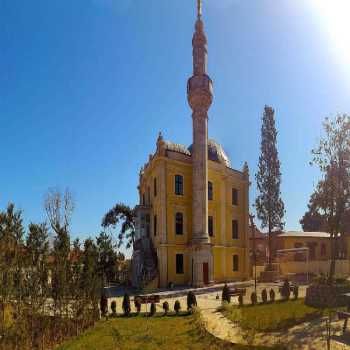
pixel 252 225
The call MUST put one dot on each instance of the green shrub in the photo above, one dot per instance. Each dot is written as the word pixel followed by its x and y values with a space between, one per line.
pixel 114 308
pixel 225 294
pixel 296 291
pixel 272 295
pixel 126 304
pixel 253 298
pixel 177 307
pixel 104 305
pixel 191 300
pixel 240 300
pixel 137 303
pixel 264 296
pixel 166 307
pixel 285 290
pixel 153 309
pixel 321 279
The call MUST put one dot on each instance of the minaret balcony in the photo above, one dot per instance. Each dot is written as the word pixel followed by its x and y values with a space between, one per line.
pixel 200 92
pixel 202 82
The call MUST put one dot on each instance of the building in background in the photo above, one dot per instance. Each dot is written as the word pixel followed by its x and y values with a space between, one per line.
pixel 192 220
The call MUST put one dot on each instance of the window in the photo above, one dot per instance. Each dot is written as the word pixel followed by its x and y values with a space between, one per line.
pixel 155 225
pixel 143 199
pixel 155 187
pixel 235 229
pixel 148 195
pixel 234 196
pixel 323 249
pixel 210 226
pixel 179 263
pixel 235 263
pixel 179 185
pixel 210 190
pixel 179 223
pixel 147 225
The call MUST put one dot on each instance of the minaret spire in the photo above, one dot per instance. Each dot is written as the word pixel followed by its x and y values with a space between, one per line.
pixel 200 96
pixel 199 9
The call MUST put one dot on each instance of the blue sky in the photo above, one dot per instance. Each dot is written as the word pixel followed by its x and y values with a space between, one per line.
pixel 87 84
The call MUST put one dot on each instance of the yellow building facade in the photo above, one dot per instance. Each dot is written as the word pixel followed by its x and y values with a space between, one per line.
pixel 192 219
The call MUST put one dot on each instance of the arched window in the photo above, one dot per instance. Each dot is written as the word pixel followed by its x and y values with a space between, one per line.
pixel 179 223
pixel 179 263
pixel 235 263
pixel 179 185
pixel 235 234
pixel 234 196
pixel 210 190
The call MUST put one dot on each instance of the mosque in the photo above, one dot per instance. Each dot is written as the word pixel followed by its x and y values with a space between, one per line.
pixel 192 219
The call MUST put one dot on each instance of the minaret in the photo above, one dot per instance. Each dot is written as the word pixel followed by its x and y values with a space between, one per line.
pixel 200 95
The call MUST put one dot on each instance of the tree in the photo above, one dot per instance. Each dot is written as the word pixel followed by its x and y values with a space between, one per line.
pixel 226 294
pixel 126 304
pixel 11 271
pixel 37 289
pixel 107 262
pixel 269 205
pixel 90 280
pixel 124 215
pixel 59 208
pixel 312 220
pixel 331 199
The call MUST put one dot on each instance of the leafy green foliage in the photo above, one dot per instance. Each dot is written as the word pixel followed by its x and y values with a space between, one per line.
pixel 107 258
pixel 124 215
pixel 104 305
pixel 166 307
pixel 331 200
pixel 225 294
pixel 153 309
pixel 114 308
pixel 126 304
pixel 177 307
pixel 137 304
pixel 285 290
pixel 191 300
pixel 268 203
pixel 296 292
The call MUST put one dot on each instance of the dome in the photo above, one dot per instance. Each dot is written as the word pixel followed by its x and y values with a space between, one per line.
pixel 215 153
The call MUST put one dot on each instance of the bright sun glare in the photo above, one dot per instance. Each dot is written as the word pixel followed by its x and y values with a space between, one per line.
pixel 334 20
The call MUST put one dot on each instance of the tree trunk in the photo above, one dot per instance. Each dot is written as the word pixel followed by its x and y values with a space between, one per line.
pixel 332 265
pixel 269 262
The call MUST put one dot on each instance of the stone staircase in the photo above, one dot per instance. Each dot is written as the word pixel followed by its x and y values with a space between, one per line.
pixel 145 264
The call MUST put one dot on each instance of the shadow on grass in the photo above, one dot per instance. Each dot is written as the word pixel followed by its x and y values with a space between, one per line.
pixel 148 315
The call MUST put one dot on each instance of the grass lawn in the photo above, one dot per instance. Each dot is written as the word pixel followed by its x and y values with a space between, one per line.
pixel 271 317
pixel 158 332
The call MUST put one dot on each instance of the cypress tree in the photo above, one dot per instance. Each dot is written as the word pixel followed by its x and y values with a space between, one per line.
pixel 269 205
